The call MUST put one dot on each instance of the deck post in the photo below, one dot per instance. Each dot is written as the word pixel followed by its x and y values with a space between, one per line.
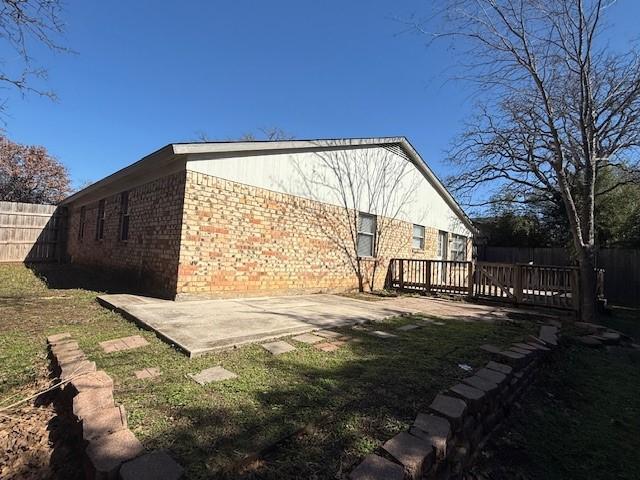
pixel 517 288
pixel 470 280
pixel 427 281
pixel 401 273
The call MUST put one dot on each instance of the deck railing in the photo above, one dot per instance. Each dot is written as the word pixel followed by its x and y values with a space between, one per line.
pixel 544 285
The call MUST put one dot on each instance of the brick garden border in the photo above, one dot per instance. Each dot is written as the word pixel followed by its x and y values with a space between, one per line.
pixel 111 450
pixel 442 442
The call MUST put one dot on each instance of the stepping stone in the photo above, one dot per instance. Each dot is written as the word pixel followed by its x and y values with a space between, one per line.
pixel 328 334
pixel 525 346
pixel 451 407
pixel 213 374
pixel 414 453
pixel 326 347
pixel 308 338
pixel 125 343
pixel 381 334
pixel 360 328
pixel 490 348
pixel 538 346
pixel 374 467
pixel 434 429
pixel 278 348
pixel 511 357
pixel 406 328
pixel 152 466
pixel 609 338
pixel 145 373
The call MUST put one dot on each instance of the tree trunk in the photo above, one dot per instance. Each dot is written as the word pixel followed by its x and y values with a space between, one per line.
pixel 587 263
pixel 359 275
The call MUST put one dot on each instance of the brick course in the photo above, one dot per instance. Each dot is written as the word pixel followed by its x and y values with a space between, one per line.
pixel 151 253
pixel 191 233
pixel 243 240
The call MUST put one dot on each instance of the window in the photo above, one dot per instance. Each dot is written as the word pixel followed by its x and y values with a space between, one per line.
pixel 418 237
pixel 443 243
pixel 83 218
pixel 459 248
pixel 124 216
pixel 366 234
pixel 100 221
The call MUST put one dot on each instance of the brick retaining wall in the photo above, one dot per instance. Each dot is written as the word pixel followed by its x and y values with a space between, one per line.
pixel 86 400
pixel 443 441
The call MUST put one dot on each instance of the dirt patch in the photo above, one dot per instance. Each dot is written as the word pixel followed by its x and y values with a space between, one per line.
pixel 34 442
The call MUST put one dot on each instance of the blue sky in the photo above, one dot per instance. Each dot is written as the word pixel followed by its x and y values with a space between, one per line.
pixel 148 73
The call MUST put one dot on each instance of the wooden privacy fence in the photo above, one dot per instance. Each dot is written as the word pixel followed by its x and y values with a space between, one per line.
pixel 30 232
pixel 544 285
pixel 619 267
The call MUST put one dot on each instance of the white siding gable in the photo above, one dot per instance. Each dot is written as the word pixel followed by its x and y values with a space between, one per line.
pixel 306 174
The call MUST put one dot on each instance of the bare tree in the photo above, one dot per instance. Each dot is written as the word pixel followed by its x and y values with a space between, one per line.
pixel 346 182
pixel 558 108
pixel 22 24
pixel 266 134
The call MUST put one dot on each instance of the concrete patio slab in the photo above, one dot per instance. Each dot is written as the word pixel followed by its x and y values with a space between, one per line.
pixel 278 348
pixel 201 326
pixel 213 374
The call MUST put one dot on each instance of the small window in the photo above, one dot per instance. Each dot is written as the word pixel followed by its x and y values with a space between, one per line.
pixel 459 248
pixel 81 223
pixel 124 216
pixel 100 221
pixel 366 234
pixel 443 243
pixel 418 237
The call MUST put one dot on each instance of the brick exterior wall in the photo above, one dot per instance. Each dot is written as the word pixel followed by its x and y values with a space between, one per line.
pixel 150 255
pixel 241 240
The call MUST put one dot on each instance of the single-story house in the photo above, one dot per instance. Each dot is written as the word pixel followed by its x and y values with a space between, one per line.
pixel 253 218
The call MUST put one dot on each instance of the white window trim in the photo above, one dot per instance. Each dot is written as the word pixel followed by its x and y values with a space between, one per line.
pixel 369 234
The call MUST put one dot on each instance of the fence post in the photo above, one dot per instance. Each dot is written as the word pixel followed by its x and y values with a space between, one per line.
pixel 427 280
pixel 401 274
pixel 517 288
pixel 470 281
pixel 575 291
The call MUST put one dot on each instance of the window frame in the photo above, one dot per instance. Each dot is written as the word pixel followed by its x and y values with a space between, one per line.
pixel 459 240
pixel 100 219
pixel 360 233
pixel 420 239
pixel 443 245
pixel 123 224
pixel 82 222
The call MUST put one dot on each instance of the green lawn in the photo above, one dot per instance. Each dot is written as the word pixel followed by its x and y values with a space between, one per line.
pixel 349 401
pixel 580 420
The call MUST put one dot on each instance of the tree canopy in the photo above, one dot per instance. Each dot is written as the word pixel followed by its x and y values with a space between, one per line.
pixel 30 174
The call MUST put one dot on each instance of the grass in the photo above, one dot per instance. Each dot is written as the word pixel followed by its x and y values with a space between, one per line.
pixel 347 402
pixel 581 418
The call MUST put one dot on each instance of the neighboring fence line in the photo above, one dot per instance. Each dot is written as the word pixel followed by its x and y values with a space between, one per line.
pixel 31 232
pixel 621 267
